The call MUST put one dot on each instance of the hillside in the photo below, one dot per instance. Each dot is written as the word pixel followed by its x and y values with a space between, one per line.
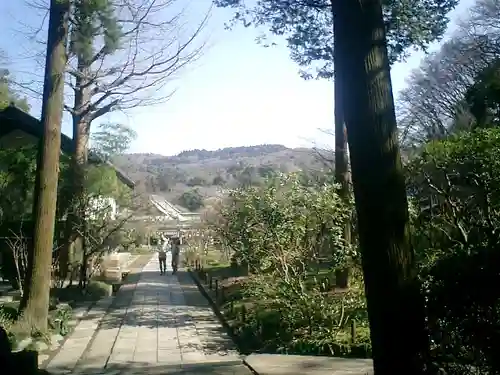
pixel 192 176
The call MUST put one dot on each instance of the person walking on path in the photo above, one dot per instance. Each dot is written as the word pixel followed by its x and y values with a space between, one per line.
pixel 175 254
pixel 162 255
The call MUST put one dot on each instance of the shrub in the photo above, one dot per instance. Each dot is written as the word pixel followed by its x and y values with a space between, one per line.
pixel 455 186
pixel 59 319
pixel 9 312
pixel 290 234
pixel 98 289
pixel 285 226
pixel 301 317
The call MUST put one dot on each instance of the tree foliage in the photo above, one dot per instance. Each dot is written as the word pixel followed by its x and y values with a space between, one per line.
pixel 112 139
pixel 438 99
pixel 455 212
pixel 284 218
pixel 307 27
pixel 8 95
pixel 483 97
pixel 289 235
pixel 17 179
pixel 192 200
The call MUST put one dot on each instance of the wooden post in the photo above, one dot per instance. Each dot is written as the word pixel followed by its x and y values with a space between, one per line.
pixel 243 313
pixel 210 282
pixel 353 331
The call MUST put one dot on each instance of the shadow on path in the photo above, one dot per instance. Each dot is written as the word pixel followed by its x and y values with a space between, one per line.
pixel 156 324
pixel 139 368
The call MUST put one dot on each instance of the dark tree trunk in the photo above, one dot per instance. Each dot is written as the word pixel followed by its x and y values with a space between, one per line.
pixel 35 304
pixel 341 42
pixel 395 306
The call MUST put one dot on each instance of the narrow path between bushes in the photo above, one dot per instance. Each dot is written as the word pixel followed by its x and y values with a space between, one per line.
pixel 157 324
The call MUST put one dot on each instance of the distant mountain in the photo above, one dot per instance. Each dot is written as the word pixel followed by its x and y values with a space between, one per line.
pixel 193 174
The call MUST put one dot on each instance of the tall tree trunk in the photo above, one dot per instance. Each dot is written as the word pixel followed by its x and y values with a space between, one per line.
pixel 74 242
pixel 395 305
pixel 341 43
pixel 35 304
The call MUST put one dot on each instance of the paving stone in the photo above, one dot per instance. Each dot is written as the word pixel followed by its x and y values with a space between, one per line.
pixel 120 358
pixel 124 344
pixel 83 333
pixel 42 358
pixel 147 357
pixel 192 356
pixel 64 361
pixel 56 338
pixel 152 327
pixel 169 356
pixel 40 346
pixel 92 361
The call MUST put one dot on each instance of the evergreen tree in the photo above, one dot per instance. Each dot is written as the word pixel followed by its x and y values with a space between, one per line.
pixel 91 19
pixel 312 38
pixel 370 35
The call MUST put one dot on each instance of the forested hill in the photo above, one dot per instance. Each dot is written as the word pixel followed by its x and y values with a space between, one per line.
pixel 207 172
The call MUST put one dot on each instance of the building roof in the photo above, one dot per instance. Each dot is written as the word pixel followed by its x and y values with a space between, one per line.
pixel 13 118
pixel 171 210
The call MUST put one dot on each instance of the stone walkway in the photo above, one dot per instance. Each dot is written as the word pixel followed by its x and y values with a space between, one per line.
pixel 158 325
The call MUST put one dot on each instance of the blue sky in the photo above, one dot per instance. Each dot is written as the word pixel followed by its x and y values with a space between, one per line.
pixel 238 93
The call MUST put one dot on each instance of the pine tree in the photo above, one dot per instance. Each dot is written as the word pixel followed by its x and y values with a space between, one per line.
pixel 91 19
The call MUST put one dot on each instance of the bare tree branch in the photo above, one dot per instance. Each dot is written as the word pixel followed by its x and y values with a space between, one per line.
pixel 433 103
pixel 156 44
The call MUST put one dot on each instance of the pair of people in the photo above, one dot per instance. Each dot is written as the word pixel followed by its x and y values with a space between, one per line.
pixel 162 254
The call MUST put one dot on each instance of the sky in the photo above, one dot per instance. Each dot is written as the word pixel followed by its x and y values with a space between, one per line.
pixel 237 93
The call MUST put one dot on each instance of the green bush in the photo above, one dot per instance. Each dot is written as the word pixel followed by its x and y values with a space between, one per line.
pixel 59 319
pixel 290 234
pixel 98 289
pixel 295 318
pixel 455 210
pixel 6 321
pixel 9 311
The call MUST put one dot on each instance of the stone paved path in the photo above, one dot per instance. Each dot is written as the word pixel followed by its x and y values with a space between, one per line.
pixel 159 325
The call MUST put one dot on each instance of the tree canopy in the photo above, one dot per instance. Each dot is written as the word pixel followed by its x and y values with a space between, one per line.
pixel 307 27
pixel 454 86
pixel 7 93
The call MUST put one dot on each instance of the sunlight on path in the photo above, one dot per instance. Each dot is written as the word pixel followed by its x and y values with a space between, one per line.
pixel 162 324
